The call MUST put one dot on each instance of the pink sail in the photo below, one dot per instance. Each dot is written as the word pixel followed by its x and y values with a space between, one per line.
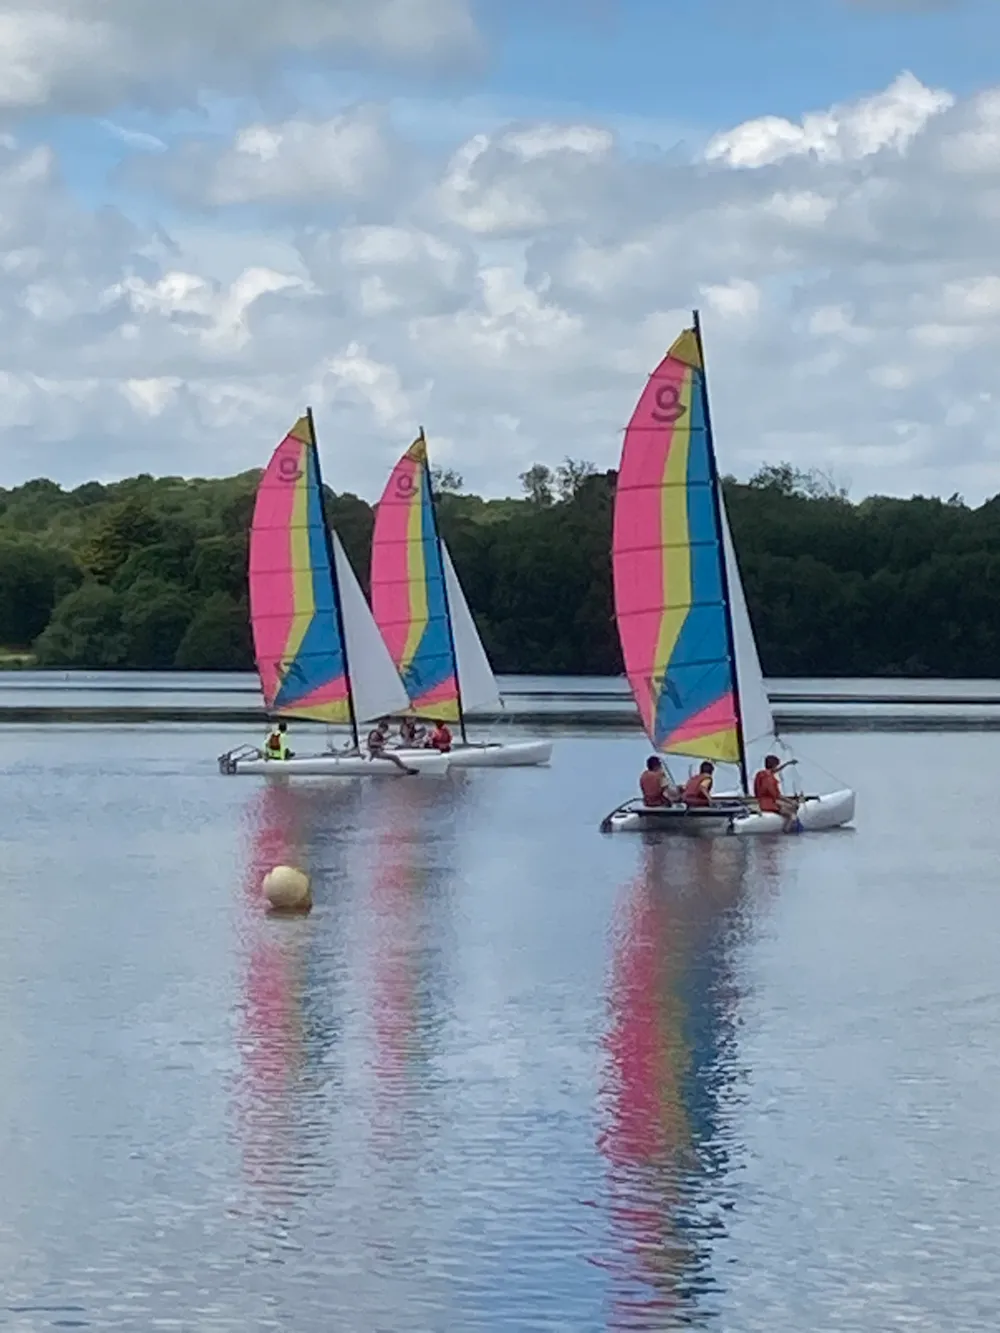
pixel 409 600
pixel 294 602
pixel 668 567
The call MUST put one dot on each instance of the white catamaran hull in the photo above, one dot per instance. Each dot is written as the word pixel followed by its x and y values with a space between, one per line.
pixel 515 754
pixel 428 763
pixel 816 813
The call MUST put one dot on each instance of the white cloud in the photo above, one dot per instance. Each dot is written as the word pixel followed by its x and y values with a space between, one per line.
pixel 392 269
pixel 512 294
pixel 147 143
pixel 94 54
pixel 525 179
pixel 888 120
pixel 351 160
pixel 346 156
pixel 734 300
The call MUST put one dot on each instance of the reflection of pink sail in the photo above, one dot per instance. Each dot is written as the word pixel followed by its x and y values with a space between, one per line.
pixel 272 1018
pixel 662 1051
pixel 647 1129
pixel 397 902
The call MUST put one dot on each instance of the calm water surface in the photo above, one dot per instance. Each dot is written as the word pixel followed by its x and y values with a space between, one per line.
pixel 509 1074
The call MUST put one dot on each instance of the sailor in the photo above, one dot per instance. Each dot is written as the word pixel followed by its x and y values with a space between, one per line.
pixel 378 739
pixel 276 745
pixel 440 738
pixel 698 788
pixel 767 791
pixel 655 785
pixel 410 734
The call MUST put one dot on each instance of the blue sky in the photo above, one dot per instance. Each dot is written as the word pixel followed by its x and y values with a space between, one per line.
pixel 716 62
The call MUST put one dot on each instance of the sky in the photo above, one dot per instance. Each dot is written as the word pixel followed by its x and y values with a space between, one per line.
pixel 490 218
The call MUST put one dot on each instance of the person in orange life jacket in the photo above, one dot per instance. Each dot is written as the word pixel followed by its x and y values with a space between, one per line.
pixel 440 738
pixel 767 790
pixel 698 789
pixel 654 784
pixel 378 739
pixel 276 745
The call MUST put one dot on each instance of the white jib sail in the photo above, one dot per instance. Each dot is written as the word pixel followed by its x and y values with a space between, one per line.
pixel 476 681
pixel 376 686
pixel 755 707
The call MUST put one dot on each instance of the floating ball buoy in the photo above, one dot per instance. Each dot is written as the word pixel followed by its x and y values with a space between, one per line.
pixel 288 890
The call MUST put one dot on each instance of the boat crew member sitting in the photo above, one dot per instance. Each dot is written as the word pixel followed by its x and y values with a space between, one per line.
pixel 440 738
pixel 767 791
pixel 698 788
pixel 410 735
pixel 654 784
pixel 378 739
pixel 276 745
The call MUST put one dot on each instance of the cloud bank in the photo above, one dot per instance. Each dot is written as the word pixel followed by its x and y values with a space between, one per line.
pixel 89 55
pixel 511 292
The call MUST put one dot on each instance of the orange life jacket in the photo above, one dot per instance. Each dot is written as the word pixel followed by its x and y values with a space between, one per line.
pixel 696 789
pixel 651 786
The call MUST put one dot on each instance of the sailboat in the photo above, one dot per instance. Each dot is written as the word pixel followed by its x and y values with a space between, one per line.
pixel 421 610
pixel 319 653
pixel 686 636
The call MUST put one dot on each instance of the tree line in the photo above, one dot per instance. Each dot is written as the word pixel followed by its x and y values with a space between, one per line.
pixel 150 573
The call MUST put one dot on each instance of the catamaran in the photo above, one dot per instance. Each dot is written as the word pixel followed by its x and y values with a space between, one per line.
pixel 685 632
pixel 421 610
pixel 319 653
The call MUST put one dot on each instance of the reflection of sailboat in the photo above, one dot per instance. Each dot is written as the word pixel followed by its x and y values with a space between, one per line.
pixel 421 610
pixel 273 1044
pixel 686 636
pixel 319 653
pixel 291 1024
pixel 669 1061
pixel 406 960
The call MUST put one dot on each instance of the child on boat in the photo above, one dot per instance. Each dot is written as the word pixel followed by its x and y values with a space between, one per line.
pixel 767 791
pixel 410 735
pixel 698 788
pixel 440 738
pixel 656 787
pixel 378 746
pixel 276 745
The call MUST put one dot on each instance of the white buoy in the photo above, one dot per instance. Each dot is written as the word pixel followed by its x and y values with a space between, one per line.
pixel 288 890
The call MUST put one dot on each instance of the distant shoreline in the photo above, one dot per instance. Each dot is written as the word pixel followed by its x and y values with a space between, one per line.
pixel 592 704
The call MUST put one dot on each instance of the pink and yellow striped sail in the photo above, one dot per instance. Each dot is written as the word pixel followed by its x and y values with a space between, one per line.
pixel 668 567
pixel 409 601
pixel 293 593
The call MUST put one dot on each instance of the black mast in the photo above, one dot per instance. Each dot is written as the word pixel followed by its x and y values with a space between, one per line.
pixel 713 471
pixel 333 576
pixel 444 585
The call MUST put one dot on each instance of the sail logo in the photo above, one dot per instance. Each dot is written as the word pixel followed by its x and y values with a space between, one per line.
pixel 669 408
pixel 288 468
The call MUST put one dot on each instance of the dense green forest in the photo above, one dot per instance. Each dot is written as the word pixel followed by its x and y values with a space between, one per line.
pixel 151 573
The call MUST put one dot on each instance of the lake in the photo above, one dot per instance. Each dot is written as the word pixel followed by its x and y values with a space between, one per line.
pixel 510 1074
